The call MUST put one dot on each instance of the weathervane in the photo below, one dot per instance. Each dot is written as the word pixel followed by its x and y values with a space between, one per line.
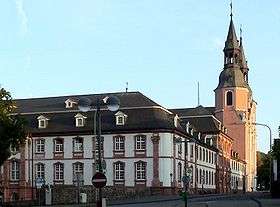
pixel 231 9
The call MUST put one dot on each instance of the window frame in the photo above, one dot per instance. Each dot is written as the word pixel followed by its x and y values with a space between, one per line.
pixel 40 170
pixel 40 146
pixel 78 147
pixel 119 171
pixel 140 171
pixel 15 170
pixel 140 142
pixel 58 171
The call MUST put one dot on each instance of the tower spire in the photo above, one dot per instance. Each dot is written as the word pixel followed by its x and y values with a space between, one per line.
pixel 231 10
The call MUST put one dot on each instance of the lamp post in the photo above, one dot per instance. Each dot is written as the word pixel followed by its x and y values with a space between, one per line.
pixel 186 176
pixel 85 104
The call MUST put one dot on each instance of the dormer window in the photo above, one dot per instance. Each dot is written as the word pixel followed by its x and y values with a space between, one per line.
pixel 192 132
pixel 176 118
pixel 42 122
pixel 199 135
pixel 120 118
pixel 80 120
pixel 188 127
pixel 69 103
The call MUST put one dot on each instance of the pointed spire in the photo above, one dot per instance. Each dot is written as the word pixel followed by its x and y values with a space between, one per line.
pixel 242 53
pixel 231 41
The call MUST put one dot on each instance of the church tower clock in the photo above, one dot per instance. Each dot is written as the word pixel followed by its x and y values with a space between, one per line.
pixel 234 105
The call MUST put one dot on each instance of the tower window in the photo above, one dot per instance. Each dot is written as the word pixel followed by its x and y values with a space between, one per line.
pixel 229 98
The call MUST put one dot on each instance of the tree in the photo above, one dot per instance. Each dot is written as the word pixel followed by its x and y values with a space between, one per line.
pixel 12 126
pixel 263 166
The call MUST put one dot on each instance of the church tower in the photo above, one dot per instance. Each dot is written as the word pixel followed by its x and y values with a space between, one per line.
pixel 234 105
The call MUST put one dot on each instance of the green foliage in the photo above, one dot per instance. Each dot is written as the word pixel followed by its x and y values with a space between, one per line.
pixel 12 127
pixel 276 151
pixel 263 172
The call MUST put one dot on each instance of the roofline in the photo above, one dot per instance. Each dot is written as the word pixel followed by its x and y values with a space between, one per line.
pixel 75 95
pixel 102 109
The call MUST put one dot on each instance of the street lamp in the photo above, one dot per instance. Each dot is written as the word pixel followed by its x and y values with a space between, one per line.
pixel 186 177
pixel 85 104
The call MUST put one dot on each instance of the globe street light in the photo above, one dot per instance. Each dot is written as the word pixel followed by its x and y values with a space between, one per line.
pixel 85 104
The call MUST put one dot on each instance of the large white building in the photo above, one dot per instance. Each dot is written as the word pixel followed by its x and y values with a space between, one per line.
pixel 139 146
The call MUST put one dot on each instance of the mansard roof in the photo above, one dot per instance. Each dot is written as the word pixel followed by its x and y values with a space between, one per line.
pixel 55 104
pixel 200 110
pixel 143 114
pixel 202 118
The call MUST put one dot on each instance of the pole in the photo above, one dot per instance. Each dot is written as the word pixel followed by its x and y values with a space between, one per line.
pixel 185 169
pixel 98 127
pixel 32 175
pixel 270 157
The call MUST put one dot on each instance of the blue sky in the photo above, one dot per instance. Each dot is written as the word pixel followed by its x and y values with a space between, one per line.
pixel 161 48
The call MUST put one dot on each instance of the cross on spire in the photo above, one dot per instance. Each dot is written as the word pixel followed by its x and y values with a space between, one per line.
pixel 231 9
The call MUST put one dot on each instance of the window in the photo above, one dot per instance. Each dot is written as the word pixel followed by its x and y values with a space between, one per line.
pixel 80 120
pixel 58 171
pixel 206 153
pixel 119 170
pixel 40 170
pixel 191 150
pixel 179 148
pixel 14 170
pixel 78 144
pixel 40 146
pixel 203 154
pixel 200 154
pixel 229 98
pixel 119 143
pixel 78 172
pixel 58 145
pixel 69 103
pixel 42 122
pixel 120 118
pixel 140 170
pixel 140 142
pixel 188 127
pixel 200 176
pixel 179 171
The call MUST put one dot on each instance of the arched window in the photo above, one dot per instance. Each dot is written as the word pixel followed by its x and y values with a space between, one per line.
pixel 179 172
pixel 229 98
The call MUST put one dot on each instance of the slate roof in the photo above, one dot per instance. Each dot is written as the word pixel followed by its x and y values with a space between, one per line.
pixel 202 118
pixel 48 104
pixel 200 110
pixel 142 114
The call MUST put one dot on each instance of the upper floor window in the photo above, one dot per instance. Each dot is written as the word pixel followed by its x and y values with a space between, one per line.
pixel 58 171
pixel 14 170
pixel 180 148
pixel 80 120
pixel 78 172
pixel 179 171
pixel 140 170
pixel 78 144
pixel 40 170
pixel 191 150
pixel 40 145
pixel 58 145
pixel 119 171
pixel 229 98
pixel 69 103
pixel 42 121
pixel 140 142
pixel 120 118
pixel 188 127
pixel 119 143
